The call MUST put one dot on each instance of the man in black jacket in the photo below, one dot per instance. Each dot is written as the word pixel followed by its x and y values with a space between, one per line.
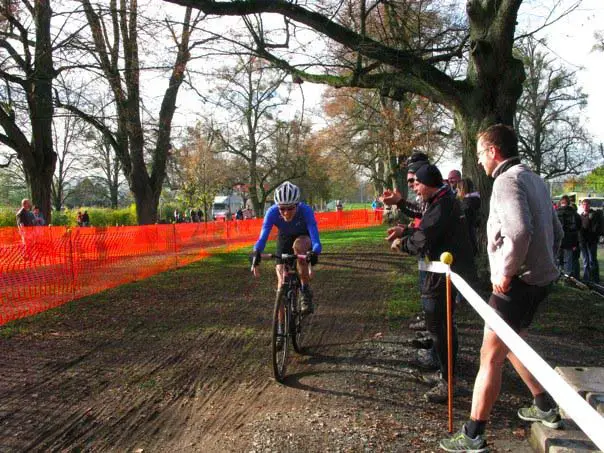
pixel 442 229
pixel 591 227
pixel 571 224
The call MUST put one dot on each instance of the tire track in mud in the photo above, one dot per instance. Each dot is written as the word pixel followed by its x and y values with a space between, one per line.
pixel 190 374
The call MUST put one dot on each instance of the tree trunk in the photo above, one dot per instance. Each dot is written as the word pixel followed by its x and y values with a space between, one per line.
pixel 469 123
pixel 398 176
pixel 40 184
pixel 493 86
pixel 37 155
pixel 57 191
pixel 147 203
pixel 114 195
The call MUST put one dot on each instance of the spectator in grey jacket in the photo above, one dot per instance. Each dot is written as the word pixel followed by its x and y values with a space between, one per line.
pixel 524 236
pixel 24 215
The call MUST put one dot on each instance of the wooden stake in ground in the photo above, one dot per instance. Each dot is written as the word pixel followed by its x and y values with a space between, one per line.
pixel 447 258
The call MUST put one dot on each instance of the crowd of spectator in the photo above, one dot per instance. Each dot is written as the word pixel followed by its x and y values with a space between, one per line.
pixel 582 231
pixel 522 242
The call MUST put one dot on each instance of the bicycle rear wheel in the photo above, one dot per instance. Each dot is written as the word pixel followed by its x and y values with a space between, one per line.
pixel 297 324
pixel 280 335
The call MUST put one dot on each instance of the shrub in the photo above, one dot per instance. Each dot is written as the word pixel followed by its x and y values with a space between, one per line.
pixel 100 217
pixel 7 217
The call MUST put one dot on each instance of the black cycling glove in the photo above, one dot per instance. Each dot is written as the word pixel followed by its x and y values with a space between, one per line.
pixel 312 258
pixel 255 258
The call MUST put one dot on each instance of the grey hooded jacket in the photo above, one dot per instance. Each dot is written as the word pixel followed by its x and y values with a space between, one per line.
pixel 523 230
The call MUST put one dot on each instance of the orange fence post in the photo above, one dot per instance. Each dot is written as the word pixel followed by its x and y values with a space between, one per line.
pixel 447 259
pixel 71 261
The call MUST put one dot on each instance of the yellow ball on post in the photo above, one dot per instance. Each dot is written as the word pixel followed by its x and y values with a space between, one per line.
pixel 446 258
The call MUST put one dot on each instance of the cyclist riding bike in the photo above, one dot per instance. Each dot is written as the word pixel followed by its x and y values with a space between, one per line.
pixel 298 233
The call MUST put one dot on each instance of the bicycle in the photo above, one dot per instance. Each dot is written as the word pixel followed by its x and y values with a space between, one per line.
pixel 288 322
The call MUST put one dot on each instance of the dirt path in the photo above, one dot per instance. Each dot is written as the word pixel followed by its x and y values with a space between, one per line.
pixel 182 364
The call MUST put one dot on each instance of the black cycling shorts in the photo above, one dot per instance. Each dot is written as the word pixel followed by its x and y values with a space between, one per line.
pixel 519 305
pixel 285 244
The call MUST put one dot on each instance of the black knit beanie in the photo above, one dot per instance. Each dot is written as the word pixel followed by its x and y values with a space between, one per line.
pixel 413 167
pixel 417 160
pixel 429 175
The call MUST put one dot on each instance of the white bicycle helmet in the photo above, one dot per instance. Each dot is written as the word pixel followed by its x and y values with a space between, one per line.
pixel 287 193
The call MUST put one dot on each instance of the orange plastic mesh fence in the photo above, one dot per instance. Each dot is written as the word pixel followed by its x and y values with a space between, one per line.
pixel 43 267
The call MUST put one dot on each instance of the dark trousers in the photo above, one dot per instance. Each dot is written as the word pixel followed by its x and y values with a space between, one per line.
pixel 591 269
pixel 436 323
pixel 576 267
pixel 567 262
pixel 426 303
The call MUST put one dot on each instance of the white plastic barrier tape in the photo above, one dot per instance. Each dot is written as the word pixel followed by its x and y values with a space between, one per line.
pixel 585 416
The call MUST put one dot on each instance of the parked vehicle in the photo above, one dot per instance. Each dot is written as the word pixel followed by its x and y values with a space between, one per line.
pixel 225 206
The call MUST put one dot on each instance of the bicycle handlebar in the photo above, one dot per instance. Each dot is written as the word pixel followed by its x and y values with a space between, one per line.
pixel 283 256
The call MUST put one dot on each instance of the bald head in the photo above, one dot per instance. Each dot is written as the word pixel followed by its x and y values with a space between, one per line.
pixel 454 177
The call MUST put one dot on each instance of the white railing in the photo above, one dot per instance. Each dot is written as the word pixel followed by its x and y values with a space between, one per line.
pixel 585 416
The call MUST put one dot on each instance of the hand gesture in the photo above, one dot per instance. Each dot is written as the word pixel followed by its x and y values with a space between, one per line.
pixel 395 232
pixel 390 197
pixel 395 245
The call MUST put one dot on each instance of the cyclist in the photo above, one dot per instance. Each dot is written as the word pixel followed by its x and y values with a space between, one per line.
pixel 298 233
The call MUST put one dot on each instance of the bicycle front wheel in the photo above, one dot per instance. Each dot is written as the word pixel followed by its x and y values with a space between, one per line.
pixel 280 335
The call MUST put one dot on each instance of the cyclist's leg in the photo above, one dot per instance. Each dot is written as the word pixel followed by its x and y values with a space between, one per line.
pixel 285 244
pixel 301 246
pixel 279 270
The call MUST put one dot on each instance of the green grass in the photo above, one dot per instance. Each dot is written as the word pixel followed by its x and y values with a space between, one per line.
pixel 12 329
pixel 346 238
pixel 355 206
pixel 560 313
pixel 405 296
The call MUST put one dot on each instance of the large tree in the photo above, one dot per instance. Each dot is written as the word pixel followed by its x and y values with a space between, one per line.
pixel 198 173
pixel 378 134
pixel 487 94
pixel 249 96
pixel 548 120
pixel 68 134
pixel 103 159
pixel 141 144
pixel 26 107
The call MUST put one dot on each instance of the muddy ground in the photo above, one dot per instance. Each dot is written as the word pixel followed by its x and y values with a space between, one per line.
pixel 180 363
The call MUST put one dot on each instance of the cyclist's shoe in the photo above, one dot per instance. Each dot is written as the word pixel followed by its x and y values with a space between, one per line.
pixel 550 418
pixel 306 307
pixel 461 442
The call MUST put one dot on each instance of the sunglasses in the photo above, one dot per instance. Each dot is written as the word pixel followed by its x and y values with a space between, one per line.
pixel 410 180
pixel 287 208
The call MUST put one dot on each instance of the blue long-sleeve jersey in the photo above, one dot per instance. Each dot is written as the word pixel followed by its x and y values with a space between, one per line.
pixel 304 222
